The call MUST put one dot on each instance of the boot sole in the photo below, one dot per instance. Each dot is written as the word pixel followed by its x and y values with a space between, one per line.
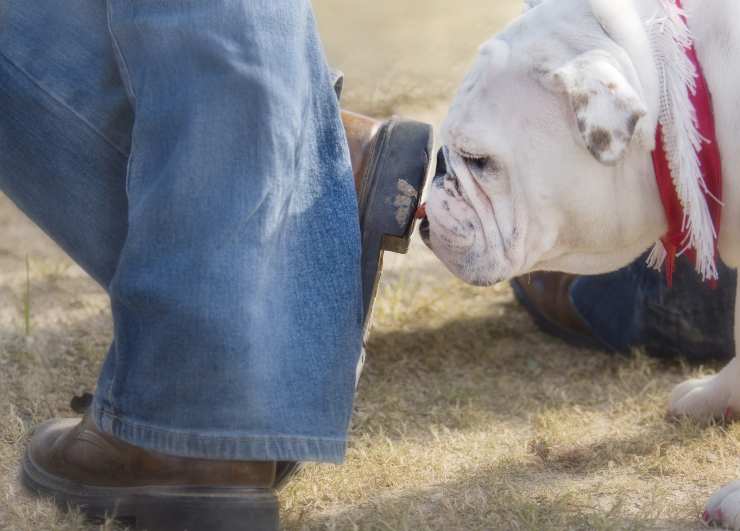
pixel 400 163
pixel 160 508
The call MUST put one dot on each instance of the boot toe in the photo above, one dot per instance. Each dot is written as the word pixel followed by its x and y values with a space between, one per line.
pixel 546 297
pixel 46 438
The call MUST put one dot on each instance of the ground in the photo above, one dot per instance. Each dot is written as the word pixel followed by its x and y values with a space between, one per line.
pixel 467 417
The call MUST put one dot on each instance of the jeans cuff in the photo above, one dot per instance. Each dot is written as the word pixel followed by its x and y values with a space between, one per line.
pixel 219 446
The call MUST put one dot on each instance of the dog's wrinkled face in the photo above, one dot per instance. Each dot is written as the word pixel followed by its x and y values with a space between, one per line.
pixel 547 156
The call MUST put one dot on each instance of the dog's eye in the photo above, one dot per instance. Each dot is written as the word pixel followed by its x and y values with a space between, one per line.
pixel 475 162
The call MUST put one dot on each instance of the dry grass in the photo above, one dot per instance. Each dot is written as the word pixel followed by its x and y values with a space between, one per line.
pixel 467 417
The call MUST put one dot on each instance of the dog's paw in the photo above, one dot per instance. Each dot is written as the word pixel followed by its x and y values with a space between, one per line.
pixel 723 508
pixel 712 397
pixel 701 399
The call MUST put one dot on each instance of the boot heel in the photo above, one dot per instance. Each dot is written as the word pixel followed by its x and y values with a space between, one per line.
pixel 390 190
pixel 202 512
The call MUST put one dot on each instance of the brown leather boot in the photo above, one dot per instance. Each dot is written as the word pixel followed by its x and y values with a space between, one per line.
pixel 77 465
pixel 391 161
pixel 546 296
pixel 74 463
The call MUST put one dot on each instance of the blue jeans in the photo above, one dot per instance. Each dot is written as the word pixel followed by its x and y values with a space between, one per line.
pixel 634 308
pixel 190 156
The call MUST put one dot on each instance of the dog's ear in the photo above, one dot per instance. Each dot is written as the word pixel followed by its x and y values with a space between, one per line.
pixel 606 106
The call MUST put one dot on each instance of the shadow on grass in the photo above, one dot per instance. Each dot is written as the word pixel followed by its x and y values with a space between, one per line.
pixel 464 375
pixel 501 367
pixel 509 496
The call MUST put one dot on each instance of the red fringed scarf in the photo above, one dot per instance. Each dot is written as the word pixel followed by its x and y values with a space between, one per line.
pixel 678 239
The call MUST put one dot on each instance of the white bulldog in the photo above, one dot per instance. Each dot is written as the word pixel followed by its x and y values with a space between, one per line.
pixel 548 150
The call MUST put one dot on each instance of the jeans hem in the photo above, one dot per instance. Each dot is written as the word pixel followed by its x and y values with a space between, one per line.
pixel 230 447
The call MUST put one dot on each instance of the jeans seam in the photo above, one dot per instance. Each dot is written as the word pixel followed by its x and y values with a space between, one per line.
pixel 59 101
pixel 128 85
pixel 127 82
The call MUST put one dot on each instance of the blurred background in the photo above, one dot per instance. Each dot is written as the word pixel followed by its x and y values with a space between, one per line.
pixel 406 56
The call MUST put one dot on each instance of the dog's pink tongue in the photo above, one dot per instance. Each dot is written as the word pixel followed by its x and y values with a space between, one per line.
pixel 421 212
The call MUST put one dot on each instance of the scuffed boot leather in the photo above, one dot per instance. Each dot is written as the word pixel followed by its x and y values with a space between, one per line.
pixel 361 133
pixel 76 450
pixel 391 161
pixel 546 296
pixel 74 463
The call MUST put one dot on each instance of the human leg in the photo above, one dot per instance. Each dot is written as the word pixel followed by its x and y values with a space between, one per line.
pixel 403 205
pixel 322 195
pixel 65 127
pixel 239 191
pixel 634 308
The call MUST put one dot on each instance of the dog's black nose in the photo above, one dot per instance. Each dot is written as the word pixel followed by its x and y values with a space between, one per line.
pixel 439 177
pixel 424 230
pixel 441 162
pixel 439 174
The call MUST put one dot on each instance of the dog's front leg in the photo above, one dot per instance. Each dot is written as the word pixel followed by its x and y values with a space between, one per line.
pixel 715 397
pixel 712 397
pixel 724 507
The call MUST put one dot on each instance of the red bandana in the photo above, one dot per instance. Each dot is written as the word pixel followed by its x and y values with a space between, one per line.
pixel 711 167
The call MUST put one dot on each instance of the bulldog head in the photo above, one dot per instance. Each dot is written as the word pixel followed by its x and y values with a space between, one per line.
pixel 547 150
